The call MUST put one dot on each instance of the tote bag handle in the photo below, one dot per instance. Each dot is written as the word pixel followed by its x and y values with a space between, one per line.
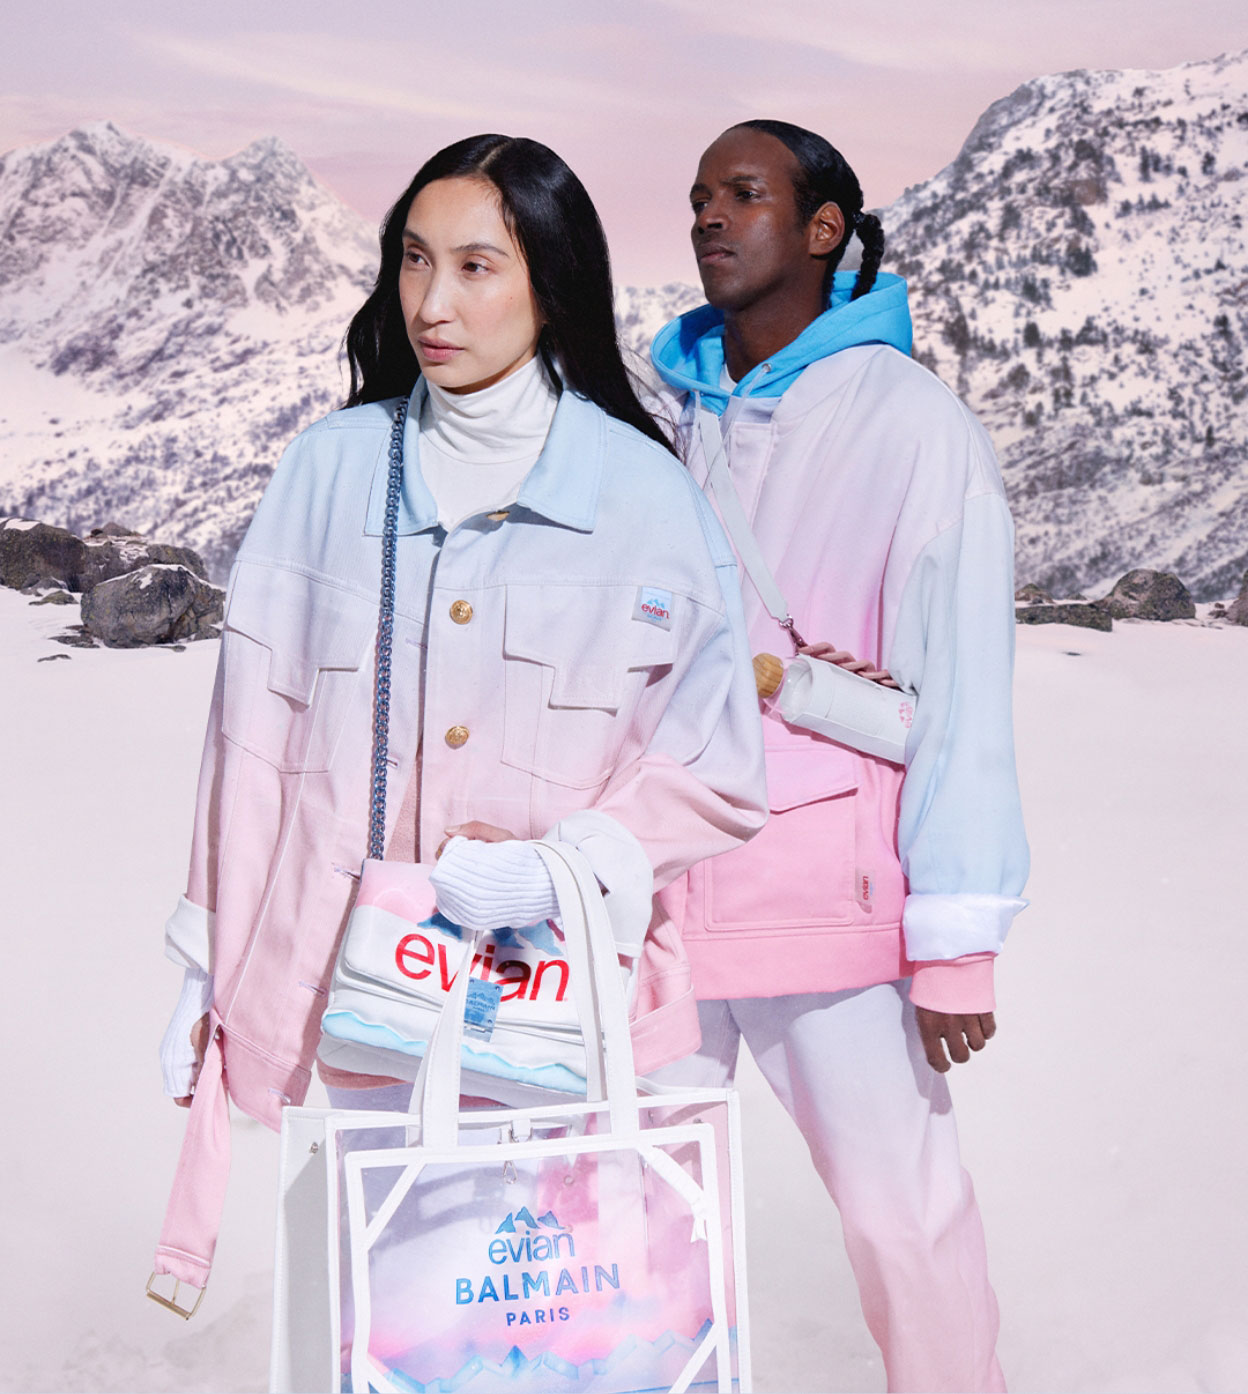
pixel 600 1002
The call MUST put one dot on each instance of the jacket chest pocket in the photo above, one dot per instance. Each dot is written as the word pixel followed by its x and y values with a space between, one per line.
pixel 294 647
pixel 576 665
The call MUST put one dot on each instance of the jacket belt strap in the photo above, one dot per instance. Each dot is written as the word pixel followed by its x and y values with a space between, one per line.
pixel 188 1237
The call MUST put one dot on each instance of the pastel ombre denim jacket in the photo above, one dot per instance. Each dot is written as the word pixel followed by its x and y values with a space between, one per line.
pixel 583 649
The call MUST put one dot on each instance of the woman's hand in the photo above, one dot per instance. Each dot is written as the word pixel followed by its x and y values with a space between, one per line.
pixel 844 659
pixel 199 1044
pixel 492 882
pixel 475 832
pixel 185 1040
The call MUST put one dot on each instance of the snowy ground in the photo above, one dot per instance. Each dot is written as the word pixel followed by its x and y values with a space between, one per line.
pixel 1105 1126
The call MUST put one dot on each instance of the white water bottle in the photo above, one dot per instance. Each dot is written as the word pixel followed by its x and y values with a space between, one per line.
pixel 825 698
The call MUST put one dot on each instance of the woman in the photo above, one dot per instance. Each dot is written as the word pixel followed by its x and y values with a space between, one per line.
pixel 567 641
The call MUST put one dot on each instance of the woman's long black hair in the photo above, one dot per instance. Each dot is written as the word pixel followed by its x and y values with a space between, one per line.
pixel 826 177
pixel 556 226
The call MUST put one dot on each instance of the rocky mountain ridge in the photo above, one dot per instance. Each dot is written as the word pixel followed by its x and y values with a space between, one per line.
pixel 1080 277
pixel 1079 274
pixel 167 323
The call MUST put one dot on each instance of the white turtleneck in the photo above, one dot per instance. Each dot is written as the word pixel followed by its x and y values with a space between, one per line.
pixel 477 447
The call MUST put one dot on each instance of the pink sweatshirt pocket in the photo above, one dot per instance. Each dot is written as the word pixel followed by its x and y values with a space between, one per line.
pixel 800 869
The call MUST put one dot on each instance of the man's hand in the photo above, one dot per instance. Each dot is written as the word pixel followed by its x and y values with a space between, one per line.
pixel 959 1033
pixel 844 659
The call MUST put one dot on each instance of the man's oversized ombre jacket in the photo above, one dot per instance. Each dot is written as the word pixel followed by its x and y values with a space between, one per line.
pixel 875 497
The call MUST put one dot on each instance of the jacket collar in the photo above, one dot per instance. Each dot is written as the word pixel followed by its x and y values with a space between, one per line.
pixel 418 510
pixel 562 487
pixel 564 484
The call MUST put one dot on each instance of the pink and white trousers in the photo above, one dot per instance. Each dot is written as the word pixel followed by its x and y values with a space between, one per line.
pixel 850 1070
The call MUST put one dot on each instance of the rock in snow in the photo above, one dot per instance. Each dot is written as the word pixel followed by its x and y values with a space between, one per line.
pixel 154 605
pixel 1065 612
pixel 37 554
pixel 1032 594
pixel 1237 610
pixel 1148 595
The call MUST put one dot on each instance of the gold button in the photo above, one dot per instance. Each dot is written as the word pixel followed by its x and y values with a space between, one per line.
pixel 461 612
pixel 456 736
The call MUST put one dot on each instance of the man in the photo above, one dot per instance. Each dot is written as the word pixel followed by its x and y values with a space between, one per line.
pixel 851 943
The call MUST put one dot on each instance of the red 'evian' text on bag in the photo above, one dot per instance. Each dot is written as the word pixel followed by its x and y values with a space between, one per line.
pixel 415 957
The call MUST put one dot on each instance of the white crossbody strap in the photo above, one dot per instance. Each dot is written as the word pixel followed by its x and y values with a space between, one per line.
pixel 719 478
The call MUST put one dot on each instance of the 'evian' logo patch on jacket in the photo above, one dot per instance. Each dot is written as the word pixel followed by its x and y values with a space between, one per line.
pixel 654 606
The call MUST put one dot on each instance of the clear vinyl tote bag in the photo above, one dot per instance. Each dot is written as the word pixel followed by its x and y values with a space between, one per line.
pixel 592 1245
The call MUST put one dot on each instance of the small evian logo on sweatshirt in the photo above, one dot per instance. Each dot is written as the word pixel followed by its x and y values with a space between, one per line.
pixel 653 606
pixel 865 884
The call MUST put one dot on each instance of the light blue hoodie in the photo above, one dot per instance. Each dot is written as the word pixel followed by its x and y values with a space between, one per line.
pixel 689 352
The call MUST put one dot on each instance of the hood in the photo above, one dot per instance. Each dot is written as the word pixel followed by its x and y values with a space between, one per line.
pixel 689 352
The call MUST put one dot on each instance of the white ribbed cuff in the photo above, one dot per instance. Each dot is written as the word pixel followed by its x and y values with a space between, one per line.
pixel 623 871
pixel 177 1055
pixel 949 926
pixel 493 885
pixel 188 935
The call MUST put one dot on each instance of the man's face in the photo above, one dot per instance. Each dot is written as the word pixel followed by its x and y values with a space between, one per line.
pixel 746 235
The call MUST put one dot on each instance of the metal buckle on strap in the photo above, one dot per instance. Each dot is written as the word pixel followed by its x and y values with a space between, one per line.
pixel 171 1303
pixel 798 642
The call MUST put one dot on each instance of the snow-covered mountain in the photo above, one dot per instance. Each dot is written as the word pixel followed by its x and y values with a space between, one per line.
pixel 1080 276
pixel 166 324
pixel 1079 273
pixel 640 312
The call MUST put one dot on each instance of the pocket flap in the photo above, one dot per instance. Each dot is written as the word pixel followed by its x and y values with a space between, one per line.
pixel 305 624
pixel 587 637
pixel 815 770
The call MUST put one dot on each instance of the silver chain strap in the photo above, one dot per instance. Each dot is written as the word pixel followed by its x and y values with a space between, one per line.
pixel 385 640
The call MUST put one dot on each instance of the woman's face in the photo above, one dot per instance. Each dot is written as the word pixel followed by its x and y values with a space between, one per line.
pixel 464 287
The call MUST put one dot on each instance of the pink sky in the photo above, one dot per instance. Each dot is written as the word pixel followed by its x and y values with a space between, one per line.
pixel 628 94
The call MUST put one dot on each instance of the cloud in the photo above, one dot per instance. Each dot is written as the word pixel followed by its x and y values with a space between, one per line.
pixel 311 66
pixel 980 36
pixel 902 38
pixel 356 72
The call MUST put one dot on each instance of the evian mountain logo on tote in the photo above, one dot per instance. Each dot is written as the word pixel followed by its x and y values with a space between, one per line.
pixel 524 1217
pixel 519 1244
